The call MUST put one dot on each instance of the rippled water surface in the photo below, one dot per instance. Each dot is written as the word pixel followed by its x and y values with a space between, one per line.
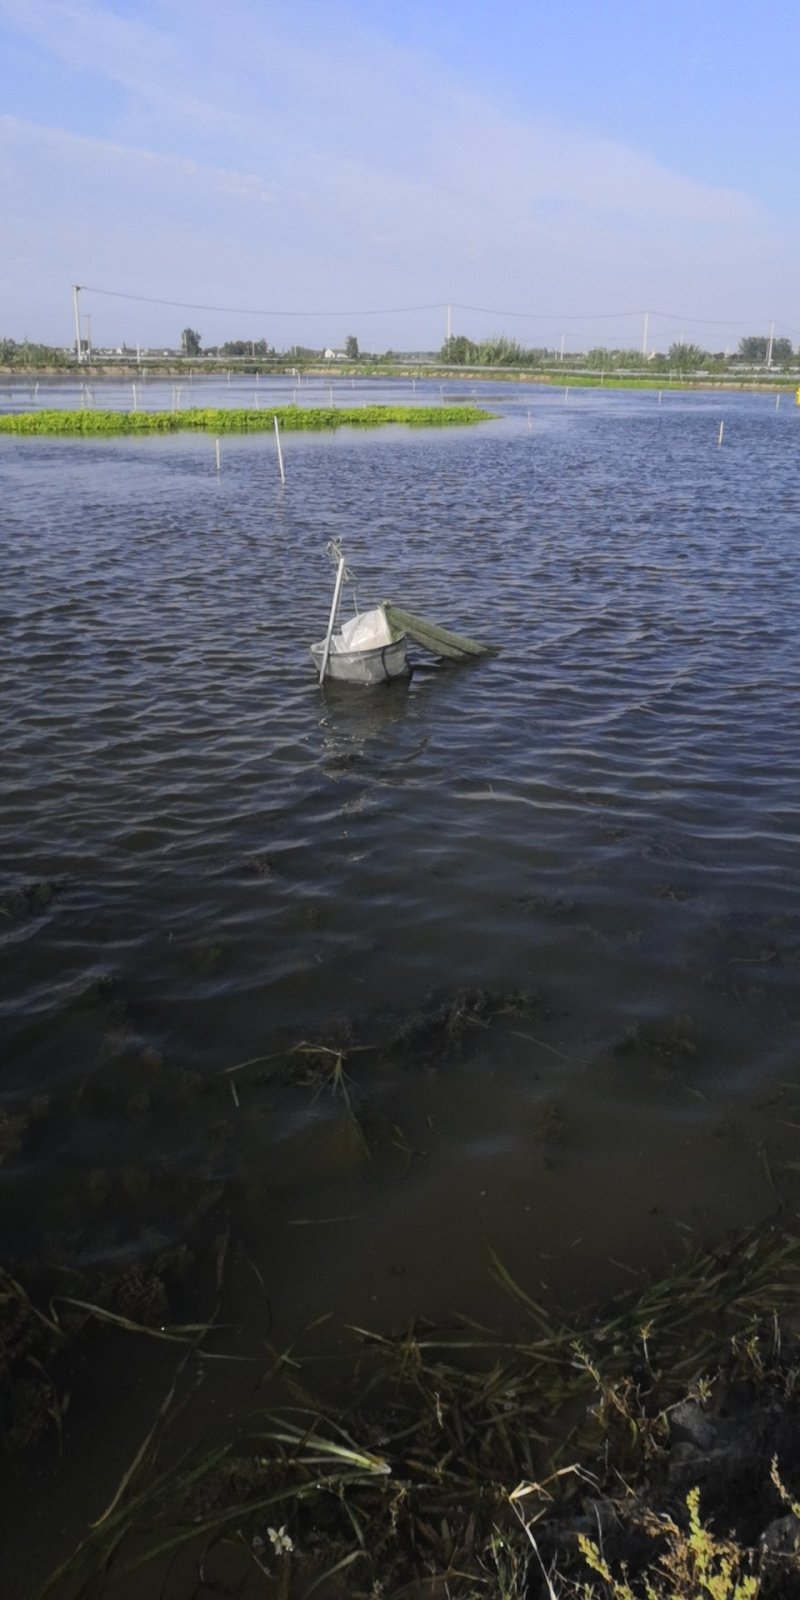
pixel 207 860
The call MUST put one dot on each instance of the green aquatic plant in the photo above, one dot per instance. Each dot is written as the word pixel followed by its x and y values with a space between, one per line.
pixel 291 419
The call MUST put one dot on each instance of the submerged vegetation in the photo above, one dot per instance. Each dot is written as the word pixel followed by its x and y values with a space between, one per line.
pixel 211 420
pixel 646 1448
pixel 648 1451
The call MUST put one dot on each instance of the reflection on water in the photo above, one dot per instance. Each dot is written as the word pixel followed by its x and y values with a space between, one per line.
pixel 208 861
pixel 356 718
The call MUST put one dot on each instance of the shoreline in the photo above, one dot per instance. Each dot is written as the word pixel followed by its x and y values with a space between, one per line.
pixel 550 378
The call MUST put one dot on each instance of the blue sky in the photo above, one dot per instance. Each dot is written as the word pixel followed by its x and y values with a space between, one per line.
pixel 326 167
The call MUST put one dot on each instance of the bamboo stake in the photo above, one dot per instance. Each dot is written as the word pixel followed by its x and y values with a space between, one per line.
pixel 280 452
pixel 337 594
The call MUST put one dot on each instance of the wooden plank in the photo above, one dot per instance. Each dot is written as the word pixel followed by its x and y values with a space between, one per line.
pixel 439 641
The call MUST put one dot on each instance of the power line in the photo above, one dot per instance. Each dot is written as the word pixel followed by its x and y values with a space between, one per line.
pixel 707 322
pixel 536 316
pixel 435 305
pixel 250 311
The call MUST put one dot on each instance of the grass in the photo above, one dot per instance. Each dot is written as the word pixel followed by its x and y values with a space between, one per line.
pixel 457 1451
pixel 453 1458
pixel 291 419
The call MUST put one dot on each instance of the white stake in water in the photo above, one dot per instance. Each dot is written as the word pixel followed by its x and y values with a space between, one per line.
pixel 330 391
pixel 777 401
pixel 659 396
pixel 219 463
pixel 530 424
pixel 280 454
pixel 721 433
pixel 135 399
pixel 566 395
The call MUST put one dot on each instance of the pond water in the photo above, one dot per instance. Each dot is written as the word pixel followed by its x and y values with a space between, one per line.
pixel 540 910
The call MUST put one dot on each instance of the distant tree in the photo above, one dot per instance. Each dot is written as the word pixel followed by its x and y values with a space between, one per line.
pixel 753 348
pixel 26 354
pixel 458 351
pixel 687 357
pixel 246 347
pixel 190 342
pixel 498 351
pixel 782 351
pixel 351 347
pixel 631 359
pixel 606 360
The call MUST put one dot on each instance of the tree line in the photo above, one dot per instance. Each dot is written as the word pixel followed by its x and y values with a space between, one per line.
pixel 191 346
pixel 494 351
pixel 498 351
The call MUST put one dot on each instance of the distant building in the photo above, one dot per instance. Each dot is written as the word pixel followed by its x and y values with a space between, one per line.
pixel 335 355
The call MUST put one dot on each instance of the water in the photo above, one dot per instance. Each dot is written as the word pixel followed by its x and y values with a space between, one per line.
pixel 207 860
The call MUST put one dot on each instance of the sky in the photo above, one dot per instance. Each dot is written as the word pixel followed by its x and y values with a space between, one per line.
pixel 303 170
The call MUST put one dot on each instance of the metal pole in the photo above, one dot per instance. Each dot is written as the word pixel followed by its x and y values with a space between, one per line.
pixel 76 289
pixel 769 346
pixel 337 594
pixel 644 335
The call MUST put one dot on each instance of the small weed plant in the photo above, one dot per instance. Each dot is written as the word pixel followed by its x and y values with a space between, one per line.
pixel 694 1565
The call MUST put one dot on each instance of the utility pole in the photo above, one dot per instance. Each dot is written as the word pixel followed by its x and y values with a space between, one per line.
pixel 89 336
pixel 449 323
pixel 769 346
pixel 76 289
pixel 563 336
pixel 644 335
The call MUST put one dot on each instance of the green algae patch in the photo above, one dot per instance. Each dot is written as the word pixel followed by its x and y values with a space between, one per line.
pixel 292 419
